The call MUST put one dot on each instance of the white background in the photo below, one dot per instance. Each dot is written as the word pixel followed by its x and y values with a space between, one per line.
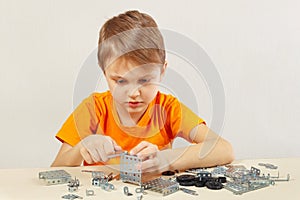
pixel 254 44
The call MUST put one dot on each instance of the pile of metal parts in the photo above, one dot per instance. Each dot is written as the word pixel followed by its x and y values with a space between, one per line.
pixel 244 180
pixel 235 178
pixel 241 181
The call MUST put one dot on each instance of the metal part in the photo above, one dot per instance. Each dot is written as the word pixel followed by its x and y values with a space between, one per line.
pixel 232 169
pixel 162 186
pixel 278 179
pixel 219 171
pixel 126 191
pixel 196 170
pixel 116 154
pixel 99 181
pixel 188 191
pixel 109 177
pixel 71 196
pixel 89 192
pixel 139 197
pixel 255 171
pixel 107 187
pixel 55 177
pixel 73 185
pixel 204 174
pixel 98 174
pixel 268 165
pixel 140 190
pixel 239 189
pixel 95 174
pixel 128 169
pixel 103 182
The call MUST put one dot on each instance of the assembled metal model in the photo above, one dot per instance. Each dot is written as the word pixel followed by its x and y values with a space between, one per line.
pixel 128 170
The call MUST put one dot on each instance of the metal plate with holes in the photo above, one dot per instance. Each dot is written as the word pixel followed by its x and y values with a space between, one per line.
pixel 162 186
pixel 128 169
pixel 55 177
pixel 238 189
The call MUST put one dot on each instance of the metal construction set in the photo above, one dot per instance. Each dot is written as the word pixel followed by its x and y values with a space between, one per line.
pixel 235 178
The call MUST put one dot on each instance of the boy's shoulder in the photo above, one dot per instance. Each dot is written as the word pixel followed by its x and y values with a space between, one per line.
pixel 166 99
pixel 102 96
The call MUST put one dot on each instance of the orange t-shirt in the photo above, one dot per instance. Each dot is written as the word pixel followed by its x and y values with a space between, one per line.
pixel 164 119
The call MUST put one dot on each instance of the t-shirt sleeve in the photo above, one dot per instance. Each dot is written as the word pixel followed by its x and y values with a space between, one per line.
pixel 81 123
pixel 182 120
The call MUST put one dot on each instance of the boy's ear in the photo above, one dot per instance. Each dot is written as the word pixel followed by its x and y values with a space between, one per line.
pixel 163 70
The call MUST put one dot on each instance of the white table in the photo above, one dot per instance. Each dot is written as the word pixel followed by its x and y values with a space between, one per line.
pixel 25 184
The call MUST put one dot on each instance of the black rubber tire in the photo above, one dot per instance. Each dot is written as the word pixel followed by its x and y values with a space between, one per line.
pixel 214 185
pixel 185 178
pixel 187 183
pixel 168 173
pixel 200 183
pixel 222 179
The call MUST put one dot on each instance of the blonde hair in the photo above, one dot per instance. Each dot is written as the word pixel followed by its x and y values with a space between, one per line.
pixel 131 35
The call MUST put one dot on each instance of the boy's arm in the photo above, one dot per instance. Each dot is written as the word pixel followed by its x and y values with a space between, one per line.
pixel 68 156
pixel 210 150
pixel 94 148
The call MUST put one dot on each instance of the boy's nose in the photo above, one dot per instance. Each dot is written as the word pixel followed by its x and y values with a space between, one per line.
pixel 134 92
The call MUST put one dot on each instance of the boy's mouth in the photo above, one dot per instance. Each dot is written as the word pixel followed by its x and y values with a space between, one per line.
pixel 134 104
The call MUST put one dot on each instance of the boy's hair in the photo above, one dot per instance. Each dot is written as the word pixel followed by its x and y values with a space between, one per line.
pixel 131 35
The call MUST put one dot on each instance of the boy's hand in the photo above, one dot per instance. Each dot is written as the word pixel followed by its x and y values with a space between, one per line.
pixel 150 155
pixel 95 148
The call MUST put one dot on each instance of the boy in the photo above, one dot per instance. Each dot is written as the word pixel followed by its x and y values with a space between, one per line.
pixel 133 115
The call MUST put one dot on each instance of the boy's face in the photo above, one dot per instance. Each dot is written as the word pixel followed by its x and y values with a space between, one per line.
pixel 133 86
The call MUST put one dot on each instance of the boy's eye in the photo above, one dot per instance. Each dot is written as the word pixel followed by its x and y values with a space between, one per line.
pixel 141 81
pixel 120 81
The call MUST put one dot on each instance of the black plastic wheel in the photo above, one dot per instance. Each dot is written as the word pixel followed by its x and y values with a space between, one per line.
pixel 187 183
pixel 214 185
pixel 222 179
pixel 200 183
pixel 185 178
pixel 168 173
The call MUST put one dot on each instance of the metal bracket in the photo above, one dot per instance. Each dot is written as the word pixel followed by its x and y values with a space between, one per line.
pixel 188 191
pixel 71 196
pixel 126 191
pixel 268 165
